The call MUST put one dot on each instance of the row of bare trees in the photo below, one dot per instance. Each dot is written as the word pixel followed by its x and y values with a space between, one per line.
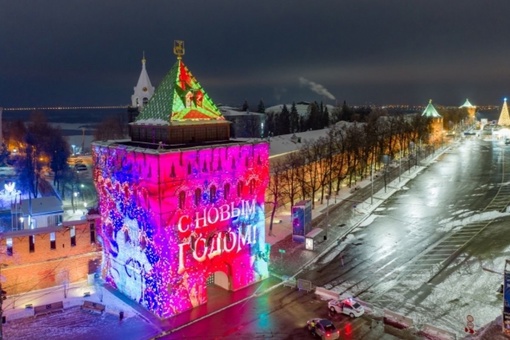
pixel 38 146
pixel 348 152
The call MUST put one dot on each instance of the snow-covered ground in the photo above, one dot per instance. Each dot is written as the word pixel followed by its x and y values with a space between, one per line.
pixel 470 289
pixel 73 323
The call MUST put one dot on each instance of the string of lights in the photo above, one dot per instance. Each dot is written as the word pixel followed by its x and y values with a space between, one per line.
pixel 65 108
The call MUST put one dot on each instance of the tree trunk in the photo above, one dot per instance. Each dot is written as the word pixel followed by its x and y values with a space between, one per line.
pixel 273 212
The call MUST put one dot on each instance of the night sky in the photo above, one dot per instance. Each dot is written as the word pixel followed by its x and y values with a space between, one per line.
pixel 56 53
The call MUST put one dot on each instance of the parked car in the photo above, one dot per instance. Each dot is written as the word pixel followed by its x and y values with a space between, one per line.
pixel 80 167
pixel 323 328
pixel 507 141
pixel 346 306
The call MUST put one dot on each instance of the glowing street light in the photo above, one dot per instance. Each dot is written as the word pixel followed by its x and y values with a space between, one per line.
pixel 327 216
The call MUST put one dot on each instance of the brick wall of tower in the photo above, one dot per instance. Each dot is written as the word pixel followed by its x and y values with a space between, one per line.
pixel 153 205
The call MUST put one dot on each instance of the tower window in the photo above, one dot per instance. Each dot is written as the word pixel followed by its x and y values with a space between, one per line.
pixel 198 196
pixel 53 242
pixel 73 236
pixel 226 190
pixel 182 199
pixel 239 189
pixel 31 243
pixel 92 233
pixel 252 186
pixel 8 242
pixel 212 194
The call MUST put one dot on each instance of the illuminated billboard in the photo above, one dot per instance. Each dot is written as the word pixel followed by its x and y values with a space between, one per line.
pixel 173 219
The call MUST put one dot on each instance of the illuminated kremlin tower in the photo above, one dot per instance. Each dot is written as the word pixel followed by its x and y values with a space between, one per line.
pixel 471 109
pixel 182 205
pixel 437 123
pixel 504 117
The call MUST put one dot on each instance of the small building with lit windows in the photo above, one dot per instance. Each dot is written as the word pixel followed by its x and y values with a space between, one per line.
pixel 37 212
pixel 181 203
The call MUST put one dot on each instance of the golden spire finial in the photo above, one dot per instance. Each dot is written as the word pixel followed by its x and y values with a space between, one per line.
pixel 179 48
pixel 143 57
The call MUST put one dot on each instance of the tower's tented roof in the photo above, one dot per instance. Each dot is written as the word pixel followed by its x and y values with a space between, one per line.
pixel 178 99
pixel 430 111
pixel 467 104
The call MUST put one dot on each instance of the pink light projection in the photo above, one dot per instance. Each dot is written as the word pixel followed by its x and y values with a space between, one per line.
pixel 171 219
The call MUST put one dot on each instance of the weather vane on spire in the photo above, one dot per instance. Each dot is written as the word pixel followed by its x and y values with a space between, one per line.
pixel 179 48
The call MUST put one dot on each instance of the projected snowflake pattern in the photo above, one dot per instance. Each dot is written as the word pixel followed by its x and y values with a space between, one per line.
pixel 161 242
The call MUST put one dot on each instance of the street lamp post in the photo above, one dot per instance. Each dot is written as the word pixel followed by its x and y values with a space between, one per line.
pixel 327 216
pixel 3 296
pixel 386 161
pixel 82 140
pixel 372 182
pixel 400 166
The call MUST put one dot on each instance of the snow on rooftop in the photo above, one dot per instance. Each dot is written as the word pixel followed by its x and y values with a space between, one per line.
pixel 151 121
pixel 301 107
pixel 284 144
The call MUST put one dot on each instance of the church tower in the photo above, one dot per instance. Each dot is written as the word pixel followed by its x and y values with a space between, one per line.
pixel 504 117
pixel 143 90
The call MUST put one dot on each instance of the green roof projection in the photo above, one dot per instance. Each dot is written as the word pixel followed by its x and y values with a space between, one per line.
pixel 430 111
pixel 179 98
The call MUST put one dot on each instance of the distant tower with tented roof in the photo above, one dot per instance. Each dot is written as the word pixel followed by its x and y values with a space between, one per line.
pixel 471 109
pixel 437 122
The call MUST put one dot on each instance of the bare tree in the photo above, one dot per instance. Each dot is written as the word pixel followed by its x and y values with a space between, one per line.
pixel 110 128
pixel 275 189
pixel 339 156
pixel 290 178
pixel 313 154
